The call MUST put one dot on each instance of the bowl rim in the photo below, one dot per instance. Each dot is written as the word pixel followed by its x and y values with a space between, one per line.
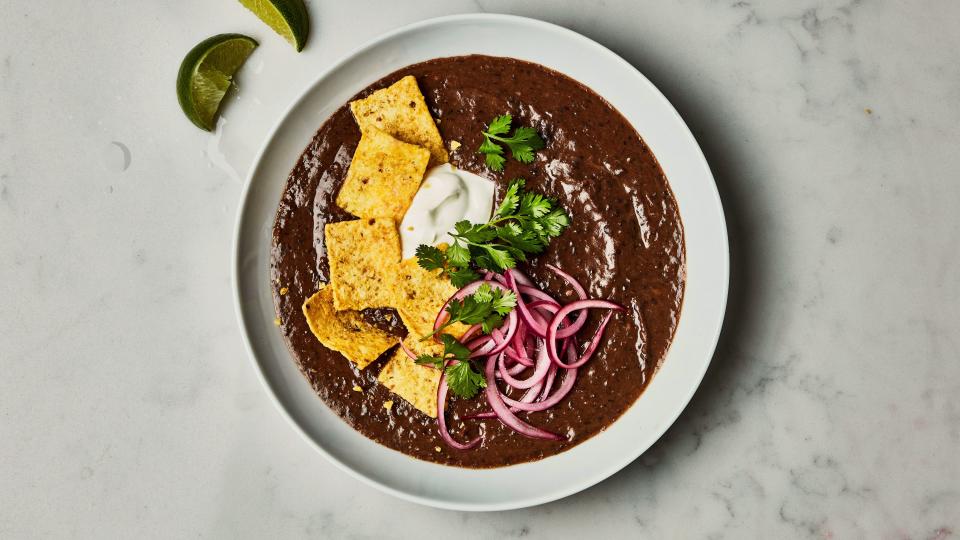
pixel 236 264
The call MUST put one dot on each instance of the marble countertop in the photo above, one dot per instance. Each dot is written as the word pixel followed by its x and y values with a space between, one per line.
pixel 128 407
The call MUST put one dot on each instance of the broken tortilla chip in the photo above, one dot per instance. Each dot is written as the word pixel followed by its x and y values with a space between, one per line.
pixel 415 383
pixel 419 295
pixel 345 331
pixel 401 112
pixel 363 257
pixel 383 177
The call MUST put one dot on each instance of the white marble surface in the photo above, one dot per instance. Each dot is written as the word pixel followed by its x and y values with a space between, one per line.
pixel 128 408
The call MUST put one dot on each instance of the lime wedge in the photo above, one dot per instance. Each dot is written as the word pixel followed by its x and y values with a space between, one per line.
pixel 287 17
pixel 207 73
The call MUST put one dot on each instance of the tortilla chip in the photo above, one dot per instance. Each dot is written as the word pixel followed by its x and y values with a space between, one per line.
pixel 401 111
pixel 419 295
pixel 363 257
pixel 345 331
pixel 415 383
pixel 383 177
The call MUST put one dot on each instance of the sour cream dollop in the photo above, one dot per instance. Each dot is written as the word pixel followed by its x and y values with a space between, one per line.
pixel 446 196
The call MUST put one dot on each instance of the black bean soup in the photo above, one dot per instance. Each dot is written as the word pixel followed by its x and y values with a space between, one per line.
pixel 625 243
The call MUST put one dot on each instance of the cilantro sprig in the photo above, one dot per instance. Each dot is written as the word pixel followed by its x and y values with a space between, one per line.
pixel 487 306
pixel 462 377
pixel 522 144
pixel 523 225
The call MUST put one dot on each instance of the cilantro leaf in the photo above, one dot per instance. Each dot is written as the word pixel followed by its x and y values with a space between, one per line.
pixel 453 347
pixel 463 380
pixel 535 204
pixel 500 125
pixel 511 198
pixel 469 310
pixel 523 241
pixel 529 136
pixel 430 257
pixel 490 147
pixel 503 302
pixel 483 293
pixel 495 161
pixel 458 255
pixel 500 257
pixel 491 323
pixel 522 144
pixel 462 277
pixel 428 360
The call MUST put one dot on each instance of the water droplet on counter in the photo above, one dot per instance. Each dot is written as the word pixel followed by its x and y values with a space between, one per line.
pixel 117 157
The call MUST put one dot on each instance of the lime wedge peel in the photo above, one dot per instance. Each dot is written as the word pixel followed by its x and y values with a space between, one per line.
pixel 206 75
pixel 288 18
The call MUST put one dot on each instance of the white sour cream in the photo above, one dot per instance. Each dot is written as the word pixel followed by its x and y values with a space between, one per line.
pixel 446 196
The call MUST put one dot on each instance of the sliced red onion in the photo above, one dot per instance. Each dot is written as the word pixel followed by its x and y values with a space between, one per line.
pixel 521 278
pixel 442 421
pixel 539 329
pixel 531 394
pixel 594 342
pixel 521 359
pixel 481 346
pixel 503 413
pixel 536 293
pixel 570 376
pixel 539 371
pixel 548 384
pixel 581 292
pixel 469 333
pixel 504 340
pixel 513 370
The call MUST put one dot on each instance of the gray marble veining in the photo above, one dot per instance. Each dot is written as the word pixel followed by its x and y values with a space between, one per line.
pixel 127 406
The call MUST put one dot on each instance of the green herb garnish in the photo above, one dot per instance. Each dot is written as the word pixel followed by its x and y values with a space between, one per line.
pixel 522 144
pixel 431 258
pixel 523 225
pixel 487 306
pixel 462 378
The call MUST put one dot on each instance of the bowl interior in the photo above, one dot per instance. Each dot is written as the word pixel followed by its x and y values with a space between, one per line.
pixel 707 265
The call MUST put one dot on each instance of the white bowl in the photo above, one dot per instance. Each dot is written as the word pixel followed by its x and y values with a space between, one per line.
pixel 704 300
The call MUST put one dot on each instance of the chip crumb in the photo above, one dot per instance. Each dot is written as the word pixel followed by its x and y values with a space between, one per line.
pixel 868 110
pixel 277 321
pixel 454 145
pixel 410 227
pixel 388 404
pixel 357 388
pixel 284 291
pixel 437 448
